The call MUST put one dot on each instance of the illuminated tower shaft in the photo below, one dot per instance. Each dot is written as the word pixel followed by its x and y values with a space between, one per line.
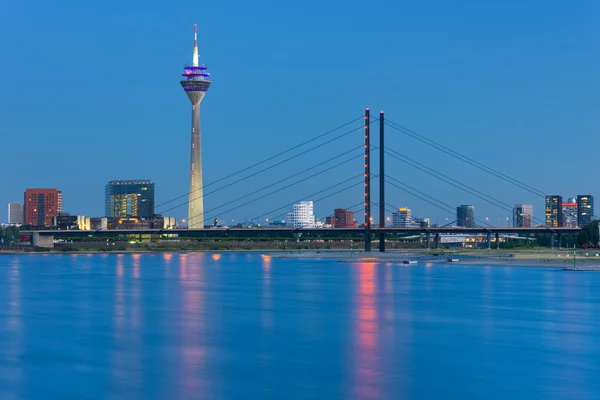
pixel 195 86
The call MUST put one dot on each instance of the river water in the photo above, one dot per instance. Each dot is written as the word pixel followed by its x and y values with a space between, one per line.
pixel 251 326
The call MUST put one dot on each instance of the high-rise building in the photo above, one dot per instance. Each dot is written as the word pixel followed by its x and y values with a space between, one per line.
pixel 402 218
pixel 134 198
pixel 41 205
pixel 342 218
pixel 465 216
pixel 302 216
pixel 570 213
pixel 422 222
pixel 195 85
pixel 522 215
pixel 15 213
pixel 554 214
pixel 585 209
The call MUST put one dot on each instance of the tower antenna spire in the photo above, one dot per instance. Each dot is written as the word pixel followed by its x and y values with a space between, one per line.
pixel 195 60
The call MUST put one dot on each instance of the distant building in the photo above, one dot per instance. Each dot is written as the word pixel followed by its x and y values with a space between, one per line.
pixel 15 213
pixel 302 216
pixel 169 223
pixel 133 223
pixel 422 222
pixel 522 215
pixel 570 213
pixel 278 223
pixel 465 216
pixel 64 221
pixel 129 199
pixel 342 218
pixel 554 214
pixel 585 209
pixel 402 218
pixel 98 224
pixel 41 205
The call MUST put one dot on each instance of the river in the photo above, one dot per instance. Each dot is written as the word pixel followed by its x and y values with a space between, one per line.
pixel 252 326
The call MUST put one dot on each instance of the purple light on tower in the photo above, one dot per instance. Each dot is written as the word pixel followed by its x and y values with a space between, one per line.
pixel 195 85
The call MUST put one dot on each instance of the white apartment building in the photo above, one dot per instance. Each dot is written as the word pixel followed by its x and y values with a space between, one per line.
pixel 302 216
pixel 15 213
pixel 402 218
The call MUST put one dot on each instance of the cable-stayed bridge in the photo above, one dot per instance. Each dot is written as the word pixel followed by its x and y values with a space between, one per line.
pixel 350 184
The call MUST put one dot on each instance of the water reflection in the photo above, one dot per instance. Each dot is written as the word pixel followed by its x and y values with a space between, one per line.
pixel 216 257
pixel 267 301
pixel 13 324
pixel 367 374
pixel 193 352
pixel 136 265
pixel 126 364
pixel 183 266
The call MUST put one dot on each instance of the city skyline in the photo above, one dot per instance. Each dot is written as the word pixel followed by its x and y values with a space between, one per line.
pixel 236 140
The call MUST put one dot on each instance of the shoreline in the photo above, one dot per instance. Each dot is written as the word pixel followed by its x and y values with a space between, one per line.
pixel 556 260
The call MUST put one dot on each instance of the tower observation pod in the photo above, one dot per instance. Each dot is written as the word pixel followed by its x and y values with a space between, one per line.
pixel 196 84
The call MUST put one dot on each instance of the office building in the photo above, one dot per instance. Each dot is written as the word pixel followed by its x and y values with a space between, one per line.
pixel 585 209
pixel 302 216
pixel 570 213
pixel 195 85
pixel 64 221
pixel 465 216
pixel 522 215
pixel 342 218
pixel 41 205
pixel 99 224
pixel 422 222
pixel 129 199
pixel 15 213
pixel 554 214
pixel 402 218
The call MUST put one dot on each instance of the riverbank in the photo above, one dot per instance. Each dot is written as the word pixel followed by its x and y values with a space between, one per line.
pixel 505 258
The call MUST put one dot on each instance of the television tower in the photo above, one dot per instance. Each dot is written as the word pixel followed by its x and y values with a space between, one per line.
pixel 195 86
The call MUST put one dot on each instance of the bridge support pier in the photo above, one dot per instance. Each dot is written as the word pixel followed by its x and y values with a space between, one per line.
pixel 559 237
pixel 46 241
pixel 489 241
pixel 367 181
pixel 552 239
pixel 497 241
pixel 381 185
pixel 437 240
pixel 428 240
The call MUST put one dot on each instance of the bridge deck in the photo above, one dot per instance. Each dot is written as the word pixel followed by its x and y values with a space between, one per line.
pixel 329 231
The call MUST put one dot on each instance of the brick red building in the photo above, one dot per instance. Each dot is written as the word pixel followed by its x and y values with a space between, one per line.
pixel 342 218
pixel 41 205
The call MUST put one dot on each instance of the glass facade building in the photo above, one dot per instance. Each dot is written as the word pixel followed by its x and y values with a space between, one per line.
pixel 554 211
pixel 522 215
pixel 465 216
pixel 570 213
pixel 129 199
pixel 585 209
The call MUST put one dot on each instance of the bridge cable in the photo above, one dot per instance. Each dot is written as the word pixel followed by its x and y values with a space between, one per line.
pixel 285 187
pixel 450 180
pixel 448 208
pixel 261 171
pixel 277 190
pixel 314 194
pixel 269 158
pixel 465 159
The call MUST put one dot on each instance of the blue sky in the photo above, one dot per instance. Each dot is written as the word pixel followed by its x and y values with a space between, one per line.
pixel 90 93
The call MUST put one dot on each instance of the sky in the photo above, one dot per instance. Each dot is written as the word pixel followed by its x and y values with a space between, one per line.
pixel 90 93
